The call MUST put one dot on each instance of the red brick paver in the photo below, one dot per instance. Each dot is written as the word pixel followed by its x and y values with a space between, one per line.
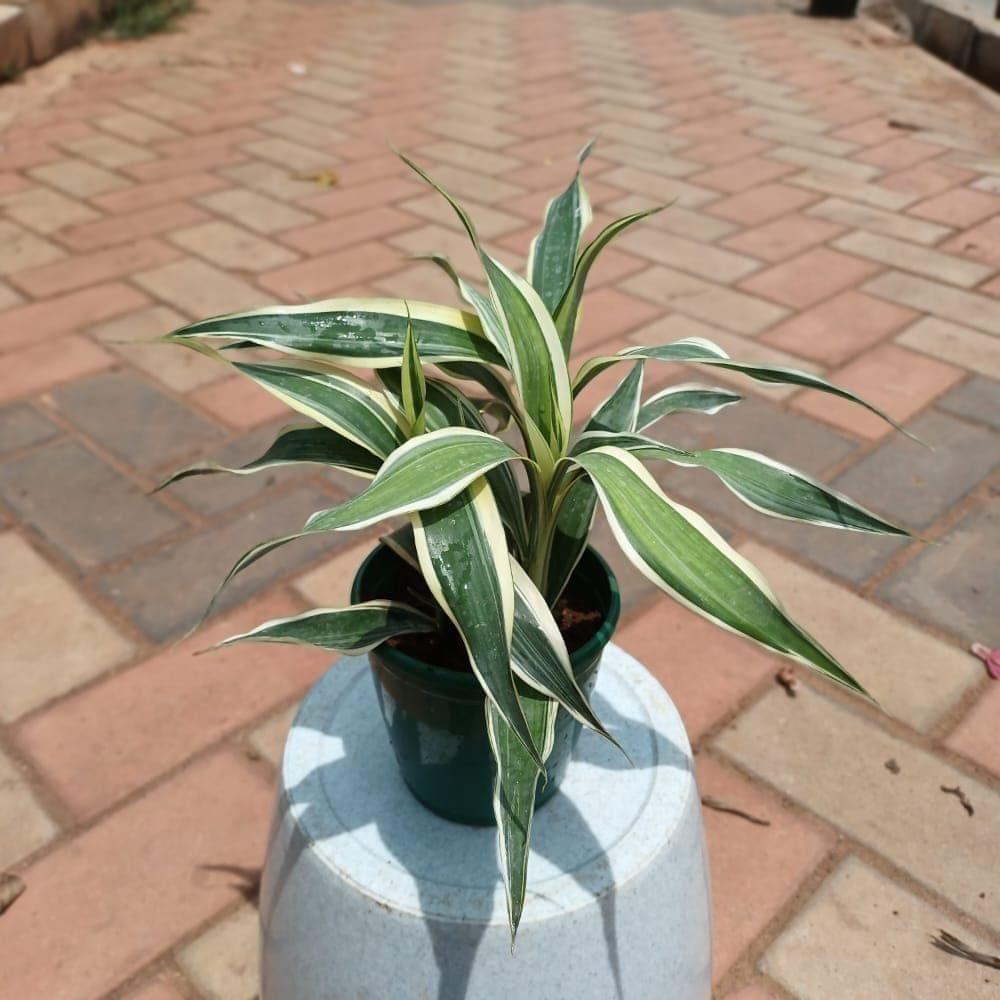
pixel 834 205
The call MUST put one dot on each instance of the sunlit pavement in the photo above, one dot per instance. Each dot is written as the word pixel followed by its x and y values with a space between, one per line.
pixel 835 205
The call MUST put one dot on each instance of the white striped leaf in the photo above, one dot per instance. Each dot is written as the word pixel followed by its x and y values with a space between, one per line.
pixel 688 349
pixel 552 256
pixel 295 446
pixel 514 790
pixel 569 540
pixel 684 397
pixel 538 651
pixel 529 335
pixel 566 313
pixel 355 333
pixel 763 483
pixel 540 371
pixel 352 630
pixel 446 406
pixel 681 553
pixel 576 516
pixel 427 471
pixel 484 308
pixel 713 355
pixel 463 557
pixel 620 410
pixel 413 391
pixel 334 399
pixel 539 656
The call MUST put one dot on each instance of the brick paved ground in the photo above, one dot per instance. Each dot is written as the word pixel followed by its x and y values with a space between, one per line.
pixel 837 206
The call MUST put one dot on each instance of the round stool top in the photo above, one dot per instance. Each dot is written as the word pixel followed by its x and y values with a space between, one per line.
pixel 608 820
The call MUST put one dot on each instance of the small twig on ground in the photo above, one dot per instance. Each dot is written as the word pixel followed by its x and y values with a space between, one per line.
pixel 711 802
pixel 11 886
pixel 956 790
pixel 905 126
pixel 955 946
pixel 786 678
pixel 324 178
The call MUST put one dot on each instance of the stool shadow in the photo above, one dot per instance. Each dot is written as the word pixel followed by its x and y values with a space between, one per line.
pixel 455 944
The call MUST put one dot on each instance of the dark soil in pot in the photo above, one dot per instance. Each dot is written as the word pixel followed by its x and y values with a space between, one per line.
pixel 833 8
pixel 578 613
pixel 433 706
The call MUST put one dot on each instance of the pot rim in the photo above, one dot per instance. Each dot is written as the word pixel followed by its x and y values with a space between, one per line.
pixel 587 652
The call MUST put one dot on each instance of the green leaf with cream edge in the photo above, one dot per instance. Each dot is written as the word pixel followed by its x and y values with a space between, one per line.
pixel 682 554
pixel 495 559
pixel 353 630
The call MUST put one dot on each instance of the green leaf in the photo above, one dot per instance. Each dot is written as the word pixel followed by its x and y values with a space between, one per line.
pixel 764 484
pixel 539 656
pixel 553 251
pixel 334 399
pixel 355 333
pixel 695 350
pixel 463 557
pixel 682 554
pixel 566 312
pixel 426 471
pixel 682 397
pixel 621 409
pixel 447 406
pixel 486 377
pixel 297 445
pixel 538 651
pixel 514 791
pixel 540 369
pixel 351 630
pixel 414 388
pixel 530 339
pixel 688 349
pixel 576 516
pixel 492 326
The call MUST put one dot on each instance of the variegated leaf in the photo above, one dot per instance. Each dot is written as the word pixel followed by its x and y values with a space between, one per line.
pixel 354 333
pixel 514 791
pixel 567 311
pixel 684 397
pixel 334 399
pixel 695 350
pixel 464 560
pixel 762 483
pixel 553 251
pixel 539 655
pixel 427 471
pixel 531 341
pixel 294 446
pixel 688 349
pixel 352 630
pixel 576 516
pixel 681 553
pixel 413 391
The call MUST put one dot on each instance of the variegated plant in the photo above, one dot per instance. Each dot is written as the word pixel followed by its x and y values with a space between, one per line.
pixel 494 557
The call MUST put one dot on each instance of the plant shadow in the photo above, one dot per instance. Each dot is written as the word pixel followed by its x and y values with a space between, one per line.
pixel 326 803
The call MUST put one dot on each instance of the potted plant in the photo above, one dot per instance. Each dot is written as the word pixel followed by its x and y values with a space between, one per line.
pixel 485 614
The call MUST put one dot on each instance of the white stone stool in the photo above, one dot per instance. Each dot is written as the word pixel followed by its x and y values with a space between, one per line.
pixel 368 896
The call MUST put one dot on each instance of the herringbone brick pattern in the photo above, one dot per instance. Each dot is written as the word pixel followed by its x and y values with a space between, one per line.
pixel 835 205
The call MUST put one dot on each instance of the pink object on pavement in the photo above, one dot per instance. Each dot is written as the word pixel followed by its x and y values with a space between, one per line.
pixel 991 657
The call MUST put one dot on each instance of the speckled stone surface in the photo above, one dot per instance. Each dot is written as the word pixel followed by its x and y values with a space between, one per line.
pixel 366 894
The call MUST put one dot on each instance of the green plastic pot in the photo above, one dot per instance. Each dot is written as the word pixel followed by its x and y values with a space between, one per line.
pixel 435 716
